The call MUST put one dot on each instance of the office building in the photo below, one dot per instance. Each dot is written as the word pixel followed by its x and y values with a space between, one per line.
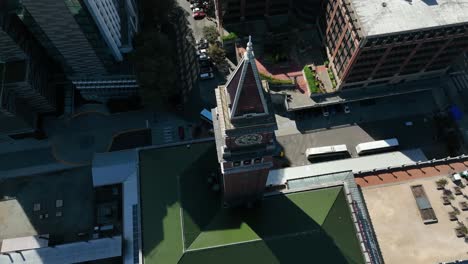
pixel 307 10
pixel 27 77
pixel 372 42
pixel 236 11
pixel 89 38
pixel 186 59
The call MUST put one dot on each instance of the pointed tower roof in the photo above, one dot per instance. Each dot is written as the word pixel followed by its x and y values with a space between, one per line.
pixel 245 88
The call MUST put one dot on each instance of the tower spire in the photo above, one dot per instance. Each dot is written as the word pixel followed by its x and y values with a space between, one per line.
pixel 249 51
pixel 246 93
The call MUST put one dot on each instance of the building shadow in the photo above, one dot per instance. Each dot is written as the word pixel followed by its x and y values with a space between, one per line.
pixel 430 2
pixel 34 208
pixel 287 234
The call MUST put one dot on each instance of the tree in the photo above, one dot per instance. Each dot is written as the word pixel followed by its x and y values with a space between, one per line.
pixel 441 183
pixel 210 33
pixel 217 54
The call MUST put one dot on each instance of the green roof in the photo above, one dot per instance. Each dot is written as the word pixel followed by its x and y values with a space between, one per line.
pixel 184 222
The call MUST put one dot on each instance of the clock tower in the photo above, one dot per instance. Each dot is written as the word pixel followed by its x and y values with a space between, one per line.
pixel 244 125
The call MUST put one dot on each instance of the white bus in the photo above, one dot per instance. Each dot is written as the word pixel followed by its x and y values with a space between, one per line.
pixel 333 152
pixel 206 115
pixel 377 146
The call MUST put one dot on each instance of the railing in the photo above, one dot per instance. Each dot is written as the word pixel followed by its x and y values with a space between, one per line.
pixel 415 165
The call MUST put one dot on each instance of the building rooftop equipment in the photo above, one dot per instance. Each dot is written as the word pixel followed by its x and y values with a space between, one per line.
pixel 24 243
pixel 398 15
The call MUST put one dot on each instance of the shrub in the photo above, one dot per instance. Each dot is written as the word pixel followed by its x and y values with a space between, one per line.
pixel 332 77
pixel 210 33
pixel 230 36
pixel 442 182
pixel 310 78
pixel 274 81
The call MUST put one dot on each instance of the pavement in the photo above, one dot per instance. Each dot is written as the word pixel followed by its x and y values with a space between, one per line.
pixel 196 25
pixel 74 141
pixel 300 101
pixel 387 118
pixel 401 233
pixel 381 109
pixel 322 74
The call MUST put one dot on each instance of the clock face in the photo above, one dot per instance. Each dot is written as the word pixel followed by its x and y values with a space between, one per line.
pixel 250 139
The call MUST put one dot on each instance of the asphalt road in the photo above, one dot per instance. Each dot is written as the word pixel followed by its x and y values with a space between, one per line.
pixel 203 96
pixel 386 119
pixel 196 25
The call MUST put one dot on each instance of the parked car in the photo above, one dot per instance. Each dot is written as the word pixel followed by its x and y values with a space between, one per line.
pixel 203 56
pixel 202 44
pixel 200 52
pixel 199 15
pixel 196 5
pixel 205 63
pixel 206 69
pixel 332 109
pixel 346 109
pixel 206 76
pixel 325 111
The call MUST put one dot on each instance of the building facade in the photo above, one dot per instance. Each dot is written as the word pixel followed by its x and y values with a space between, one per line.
pixel 377 43
pixel 88 38
pixel 186 59
pixel 244 125
pixel 307 10
pixel 27 75
pixel 236 11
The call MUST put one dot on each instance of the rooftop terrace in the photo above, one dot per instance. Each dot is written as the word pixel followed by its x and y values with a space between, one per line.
pixel 377 18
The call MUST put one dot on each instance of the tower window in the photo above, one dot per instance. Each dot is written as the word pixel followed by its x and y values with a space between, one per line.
pixel 236 163
pixel 247 162
pixel 257 160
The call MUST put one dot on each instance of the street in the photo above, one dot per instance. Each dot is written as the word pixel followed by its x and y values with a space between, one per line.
pixel 202 96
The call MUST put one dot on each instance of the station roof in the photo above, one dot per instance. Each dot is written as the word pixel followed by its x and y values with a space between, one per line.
pixel 390 16
pixel 384 160
pixel 184 222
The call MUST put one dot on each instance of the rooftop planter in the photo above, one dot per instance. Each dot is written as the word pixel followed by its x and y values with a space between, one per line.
pixel 229 37
pixel 441 184
pixel 312 82
pixel 461 231
pixel 274 81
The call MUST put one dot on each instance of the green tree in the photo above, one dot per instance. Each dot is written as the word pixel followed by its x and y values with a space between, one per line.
pixel 217 54
pixel 210 33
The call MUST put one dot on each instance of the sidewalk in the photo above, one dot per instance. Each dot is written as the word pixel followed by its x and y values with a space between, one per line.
pixel 75 141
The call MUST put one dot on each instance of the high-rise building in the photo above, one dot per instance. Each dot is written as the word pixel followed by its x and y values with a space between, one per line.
pixel 235 11
pixel 307 10
pixel 88 37
pixel 244 125
pixel 27 75
pixel 375 42
pixel 186 60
